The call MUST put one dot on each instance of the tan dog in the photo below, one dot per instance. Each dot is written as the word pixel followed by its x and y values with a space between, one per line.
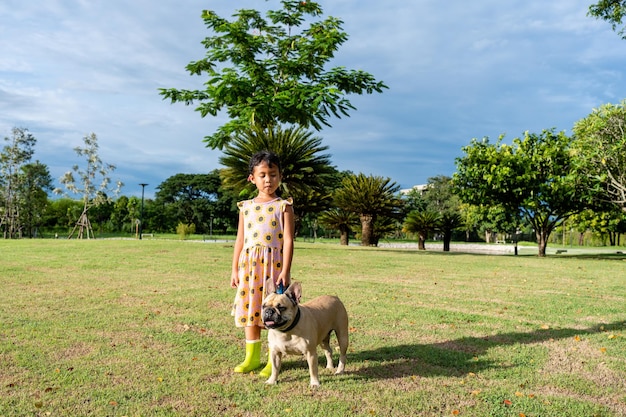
pixel 298 328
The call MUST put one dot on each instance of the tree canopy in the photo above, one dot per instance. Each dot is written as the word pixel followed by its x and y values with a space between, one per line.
pixel 533 178
pixel 14 157
pixel 599 151
pixel 611 11
pixel 198 200
pixel 269 71
pixel 306 168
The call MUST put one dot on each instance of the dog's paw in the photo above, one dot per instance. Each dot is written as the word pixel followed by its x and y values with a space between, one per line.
pixel 270 382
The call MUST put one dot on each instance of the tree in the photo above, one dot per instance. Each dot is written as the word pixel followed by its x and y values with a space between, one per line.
pixel 533 177
pixel 120 215
pixel 609 223
pixel 264 72
pixel 369 197
pixel 414 200
pixel 341 220
pixel 101 215
pixel 13 159
pixel 307 172
pixel 598 149
pixel 424 223
pixel 488 220
pixel 191 199
pixel 441 199
pixel 59 214
pixel 92 192
pixel 35 184
pixel 611 11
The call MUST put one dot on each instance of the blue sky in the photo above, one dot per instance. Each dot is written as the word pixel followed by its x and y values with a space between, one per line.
pixel 455 72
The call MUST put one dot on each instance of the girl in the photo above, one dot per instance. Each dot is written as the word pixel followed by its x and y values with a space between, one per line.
pixel 263 251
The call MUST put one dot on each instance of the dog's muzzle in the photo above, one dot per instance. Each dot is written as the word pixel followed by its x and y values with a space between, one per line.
pixel 272 319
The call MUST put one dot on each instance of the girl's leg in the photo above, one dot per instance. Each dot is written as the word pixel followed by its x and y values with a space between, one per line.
pixel 252 332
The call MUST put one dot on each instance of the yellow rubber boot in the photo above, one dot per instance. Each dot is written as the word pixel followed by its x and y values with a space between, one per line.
pixel 253 357
pixel 267 371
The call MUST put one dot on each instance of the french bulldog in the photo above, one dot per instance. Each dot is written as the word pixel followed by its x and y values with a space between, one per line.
pixel 296 328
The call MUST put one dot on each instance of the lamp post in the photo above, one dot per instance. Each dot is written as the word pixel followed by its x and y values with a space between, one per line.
pixel 143 186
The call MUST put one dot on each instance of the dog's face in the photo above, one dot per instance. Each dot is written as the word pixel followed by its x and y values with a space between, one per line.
pixel 279 310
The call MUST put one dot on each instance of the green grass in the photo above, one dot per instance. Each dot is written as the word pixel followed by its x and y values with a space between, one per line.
pixel 143 328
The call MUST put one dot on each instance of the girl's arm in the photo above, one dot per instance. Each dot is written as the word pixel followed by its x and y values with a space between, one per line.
pixel 288 232
pixel 234 276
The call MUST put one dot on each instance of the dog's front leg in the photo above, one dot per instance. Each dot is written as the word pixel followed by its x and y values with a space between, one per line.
pixel 275 357
pixel 311 358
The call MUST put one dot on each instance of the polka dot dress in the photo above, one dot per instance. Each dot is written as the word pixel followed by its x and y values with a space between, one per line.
pixel 261 257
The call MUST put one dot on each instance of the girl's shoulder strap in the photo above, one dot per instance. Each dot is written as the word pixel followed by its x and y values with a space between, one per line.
pixel 242 204
pixel 285 202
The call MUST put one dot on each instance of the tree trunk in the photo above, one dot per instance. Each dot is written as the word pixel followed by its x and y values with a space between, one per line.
pixel 447 237
pixel 344 235
pixel 421 241
pixel 367 229
pixel 542 241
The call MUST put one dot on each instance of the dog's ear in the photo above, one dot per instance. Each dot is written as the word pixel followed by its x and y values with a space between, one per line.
pixel 294 291
pixel 270 286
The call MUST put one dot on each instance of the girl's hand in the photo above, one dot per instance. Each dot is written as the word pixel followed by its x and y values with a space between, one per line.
pixel 284 279
pixel 234 280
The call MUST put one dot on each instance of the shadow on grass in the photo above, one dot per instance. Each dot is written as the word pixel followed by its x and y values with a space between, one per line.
pixel 455 358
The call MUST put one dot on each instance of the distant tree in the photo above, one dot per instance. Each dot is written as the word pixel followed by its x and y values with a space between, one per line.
pixel 611 11
pixel 192 199
pixel 100 215
pixel 14 156
pixel 424 224
pixel 449 222
pixel 414 200
pixel 370 197
pixel 35 184
pixel 266 72
pixel 608 224
pixel 599 151
pixel 60 214
pixel 92 184
pixel 386 225
pixel 307 172
pixel 340 220
pixel 488 220
pixel 120 215
pixel 440 198
pixel 534 176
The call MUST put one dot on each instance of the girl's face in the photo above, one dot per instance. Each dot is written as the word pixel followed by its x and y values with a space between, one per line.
pixel 266 178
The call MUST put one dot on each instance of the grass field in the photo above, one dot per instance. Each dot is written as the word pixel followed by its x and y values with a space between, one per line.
pixel 143 328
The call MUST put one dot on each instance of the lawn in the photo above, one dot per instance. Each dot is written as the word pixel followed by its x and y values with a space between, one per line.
pixel 143 328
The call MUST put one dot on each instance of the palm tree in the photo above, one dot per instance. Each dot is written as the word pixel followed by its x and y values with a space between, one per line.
pixel 449 221
pixel 369 197
pixel 423 223
pixel 306 169
pixel 340 220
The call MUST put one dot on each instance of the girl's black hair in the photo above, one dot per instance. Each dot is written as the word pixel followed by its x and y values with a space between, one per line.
pixel 270 158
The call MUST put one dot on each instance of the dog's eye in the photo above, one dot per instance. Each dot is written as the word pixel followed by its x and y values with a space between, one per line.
pixel 281 308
